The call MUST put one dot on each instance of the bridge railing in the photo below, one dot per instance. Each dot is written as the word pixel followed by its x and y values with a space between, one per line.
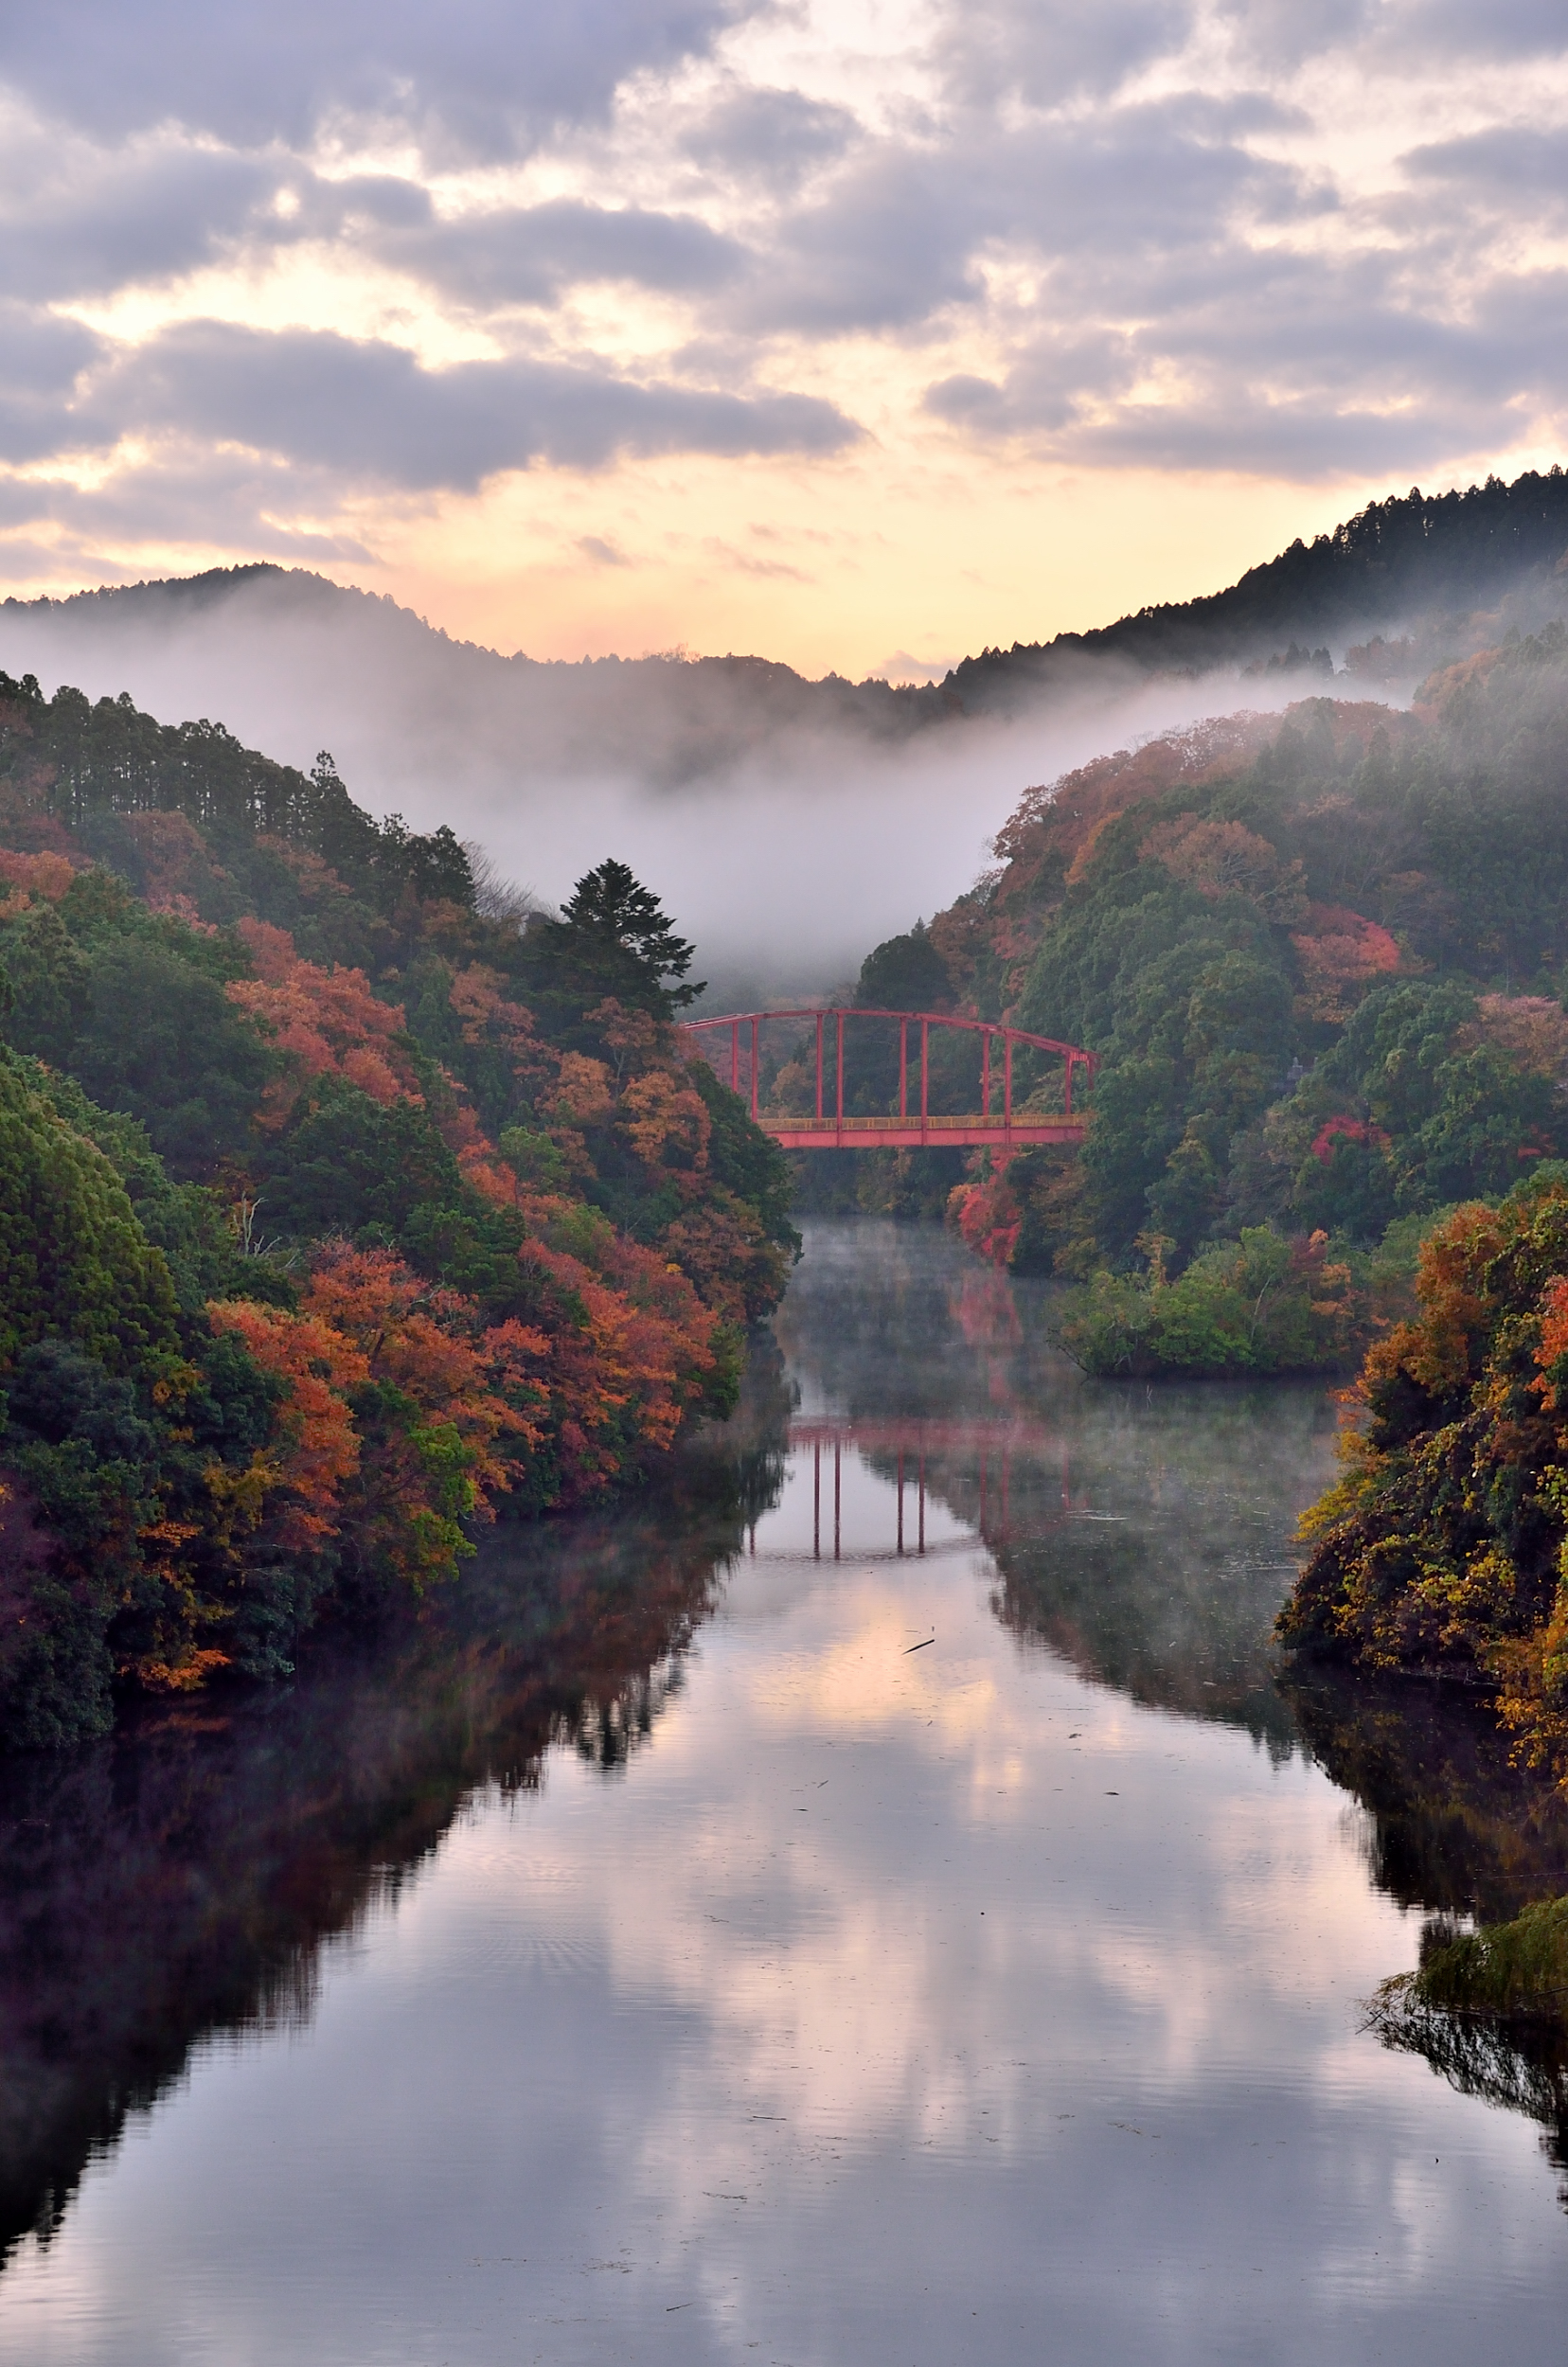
pixel 991 1032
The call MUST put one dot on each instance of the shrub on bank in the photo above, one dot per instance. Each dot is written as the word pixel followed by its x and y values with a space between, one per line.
pixel 1515 1972
pixel 1262 1304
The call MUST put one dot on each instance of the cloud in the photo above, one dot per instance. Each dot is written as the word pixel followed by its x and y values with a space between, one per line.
pixel 368 412
pixel 82 222
pixel 1046 55
pixel 1510 29
pixel 1273 362
pixel 774 136
pixel 902 238
pixel 182 495
pixel 1507 161
pixel 475 78
pixel 686 769
pixel 1130 235
pixel 1274 34
pixel 534 255
pixel 41 358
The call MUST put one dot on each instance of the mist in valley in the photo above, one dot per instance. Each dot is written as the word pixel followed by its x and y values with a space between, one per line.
pixel 788 826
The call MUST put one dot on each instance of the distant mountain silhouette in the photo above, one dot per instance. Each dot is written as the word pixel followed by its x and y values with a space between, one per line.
pixel 1423 560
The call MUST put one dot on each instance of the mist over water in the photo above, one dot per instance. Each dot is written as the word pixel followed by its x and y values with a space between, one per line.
pixel 789 827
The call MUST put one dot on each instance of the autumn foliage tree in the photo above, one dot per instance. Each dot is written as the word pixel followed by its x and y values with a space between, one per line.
pixel 1442 1549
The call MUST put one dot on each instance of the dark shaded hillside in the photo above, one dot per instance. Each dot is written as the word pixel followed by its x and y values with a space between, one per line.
pixel 709 707
pixel 1396 562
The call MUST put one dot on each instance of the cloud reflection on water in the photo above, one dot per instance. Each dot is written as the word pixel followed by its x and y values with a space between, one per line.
pixel 963 2004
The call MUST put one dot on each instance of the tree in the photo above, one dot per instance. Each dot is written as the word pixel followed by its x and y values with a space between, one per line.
pixel 351 1160
pixel 164 1045
pixel 73 1262
pixel 613 942
pixel 905 974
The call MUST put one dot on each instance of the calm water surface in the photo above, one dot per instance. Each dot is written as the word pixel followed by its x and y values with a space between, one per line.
pixel 709 1941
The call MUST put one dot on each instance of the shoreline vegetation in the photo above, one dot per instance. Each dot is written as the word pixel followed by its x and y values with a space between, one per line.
pixel 346 1204
pixel 379 1205
pixel 1442 1551
pixel 1442 1554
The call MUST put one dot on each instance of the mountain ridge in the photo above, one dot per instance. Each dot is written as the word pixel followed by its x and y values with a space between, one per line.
pixel 1391 560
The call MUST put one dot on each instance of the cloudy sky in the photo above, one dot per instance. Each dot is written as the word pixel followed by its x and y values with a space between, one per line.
pixel 859 332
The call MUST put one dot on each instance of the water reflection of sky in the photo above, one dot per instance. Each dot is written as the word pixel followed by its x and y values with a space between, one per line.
pixel 892 2007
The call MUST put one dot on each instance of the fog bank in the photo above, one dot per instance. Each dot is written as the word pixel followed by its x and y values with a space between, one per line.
pixel 789 827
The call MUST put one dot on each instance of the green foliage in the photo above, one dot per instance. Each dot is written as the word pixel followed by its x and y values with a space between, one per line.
pixel 1451 1118
pixel 188 1223
pixel 134 1007
pixel 55 1666
pixel 613 942
pixel 350 1163
pixel 73 1262
pixel 1198 1052
pixel 744 1161
pixel 1509 1971
pixel 472 1247
pixel 1229 945
pixel 1261 1304
pixel 51 987
pixel 905 974
pixel 164 1045
pixel 86 762
pixel 535 1159
pixel 177 1160
pixel 1440 1549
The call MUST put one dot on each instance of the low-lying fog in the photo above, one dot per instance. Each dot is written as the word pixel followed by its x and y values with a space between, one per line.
pixel 786 827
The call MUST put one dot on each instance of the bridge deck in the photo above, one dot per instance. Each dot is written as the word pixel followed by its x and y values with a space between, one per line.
pixel 918 1134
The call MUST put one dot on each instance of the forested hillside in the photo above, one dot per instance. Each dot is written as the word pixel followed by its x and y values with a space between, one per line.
pixel 1426 562
pixel 339 1211
pixel 1322 960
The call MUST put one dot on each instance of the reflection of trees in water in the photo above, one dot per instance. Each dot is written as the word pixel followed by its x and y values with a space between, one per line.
pixel 181 1880
pixel 1456 1828
pixel 606 1733
pixel 1146 1541
pixel 1145 1535
pixel 1522 2067
pixel 1165 1577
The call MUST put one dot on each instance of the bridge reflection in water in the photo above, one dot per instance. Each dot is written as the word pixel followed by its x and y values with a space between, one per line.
pixel 985 1453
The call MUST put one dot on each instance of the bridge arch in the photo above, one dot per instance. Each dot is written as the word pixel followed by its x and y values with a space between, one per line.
pixel 830 1128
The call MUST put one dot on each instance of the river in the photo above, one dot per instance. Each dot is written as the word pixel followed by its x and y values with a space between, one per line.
pixel 870 1902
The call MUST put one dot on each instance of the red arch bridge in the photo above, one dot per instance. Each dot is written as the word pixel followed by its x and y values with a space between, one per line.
pixel 1003 1128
